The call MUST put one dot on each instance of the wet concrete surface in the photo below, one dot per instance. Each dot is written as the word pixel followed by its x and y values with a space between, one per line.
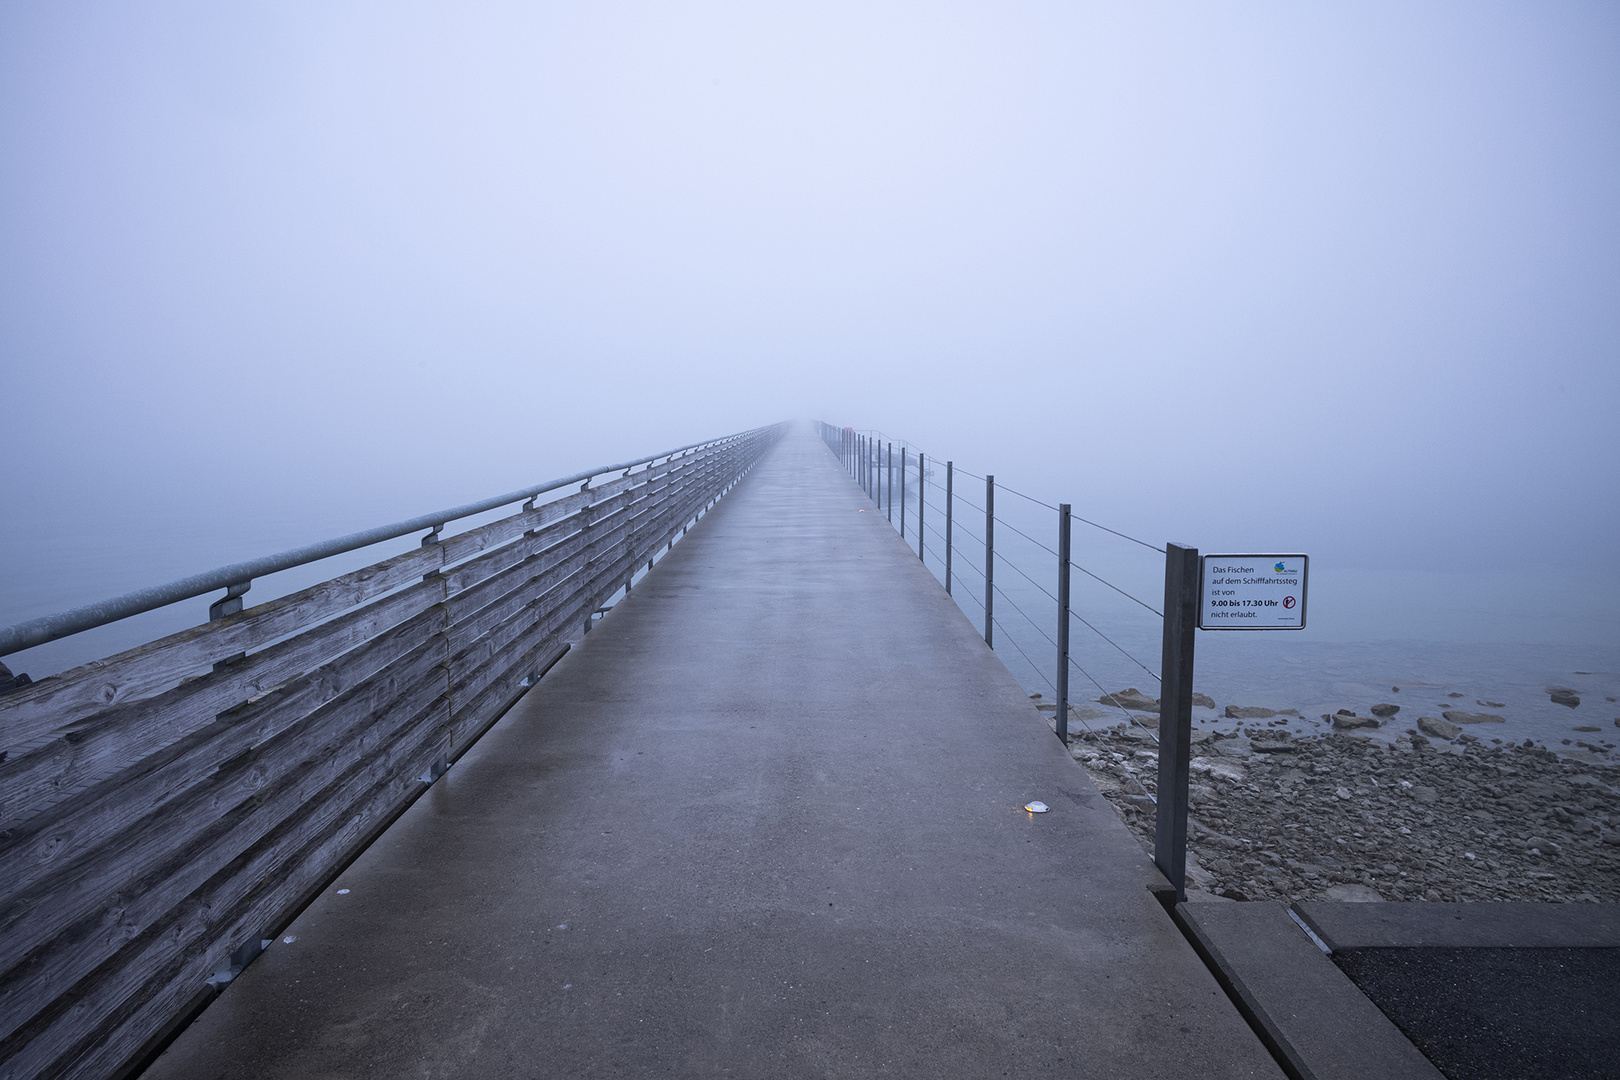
pixel 766 821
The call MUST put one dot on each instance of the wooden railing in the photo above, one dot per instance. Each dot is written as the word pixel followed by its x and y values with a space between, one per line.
pixel 165 811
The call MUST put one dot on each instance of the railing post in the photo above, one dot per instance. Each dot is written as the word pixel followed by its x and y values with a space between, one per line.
pixel 950 515
pixel 890 508
pixel 922 500
pixel 1063 624
pixel 1175 713
pixel 903 456
pixel 989 557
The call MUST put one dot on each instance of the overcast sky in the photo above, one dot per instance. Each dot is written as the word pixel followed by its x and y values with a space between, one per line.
pixel 1338 277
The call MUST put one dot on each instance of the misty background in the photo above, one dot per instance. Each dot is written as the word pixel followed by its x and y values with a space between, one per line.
pixel 1332 278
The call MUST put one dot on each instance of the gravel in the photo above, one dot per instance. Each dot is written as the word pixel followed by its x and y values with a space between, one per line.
pixel 1274 816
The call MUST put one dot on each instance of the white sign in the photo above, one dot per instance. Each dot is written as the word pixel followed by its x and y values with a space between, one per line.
pixel 1252 592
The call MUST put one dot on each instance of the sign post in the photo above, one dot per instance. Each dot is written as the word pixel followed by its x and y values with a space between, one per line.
pixel 1215 592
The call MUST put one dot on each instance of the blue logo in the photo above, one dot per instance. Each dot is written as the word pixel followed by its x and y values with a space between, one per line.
pixel 1281 569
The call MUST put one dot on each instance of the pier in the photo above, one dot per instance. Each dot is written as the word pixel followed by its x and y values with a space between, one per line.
pixel 768 820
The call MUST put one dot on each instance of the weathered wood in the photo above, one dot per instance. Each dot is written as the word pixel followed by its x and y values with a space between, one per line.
pixel 158 829
pixel 479 572
pixel 471 718
pixel 32 714
pixel 75 827
pixel 69 923
pixel 474 617
pixel 242 900
pixel 47 706
pixel 103 745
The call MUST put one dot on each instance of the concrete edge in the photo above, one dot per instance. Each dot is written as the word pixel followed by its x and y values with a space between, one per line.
pixel 1314 1020
pixel 1411 925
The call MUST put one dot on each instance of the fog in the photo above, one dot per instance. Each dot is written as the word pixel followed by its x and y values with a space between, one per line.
pixel 1337 278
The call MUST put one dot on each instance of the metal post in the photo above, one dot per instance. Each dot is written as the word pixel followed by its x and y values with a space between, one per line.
pixel 921 502
pixel 950 515
pixel 1175 713
pixel 989 557
pixel 1063 624
pixel 891 484
pixel 903 456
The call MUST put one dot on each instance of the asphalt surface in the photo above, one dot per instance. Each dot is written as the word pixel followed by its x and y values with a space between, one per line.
pixel 1488 1013
pixel 766 821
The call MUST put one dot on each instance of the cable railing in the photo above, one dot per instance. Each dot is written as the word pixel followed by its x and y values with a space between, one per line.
pixel 950 528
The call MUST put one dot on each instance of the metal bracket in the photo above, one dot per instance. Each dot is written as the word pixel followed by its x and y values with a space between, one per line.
pixel 230 603
pixel 433 537
pixel 239 960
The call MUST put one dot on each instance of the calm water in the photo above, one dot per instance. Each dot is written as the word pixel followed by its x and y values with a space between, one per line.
pixel 1431 635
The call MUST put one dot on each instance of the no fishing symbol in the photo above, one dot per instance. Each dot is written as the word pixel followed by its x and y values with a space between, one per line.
pixel 1288 602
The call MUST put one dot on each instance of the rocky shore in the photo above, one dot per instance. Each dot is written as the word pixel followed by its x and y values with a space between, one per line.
pixel 1340 815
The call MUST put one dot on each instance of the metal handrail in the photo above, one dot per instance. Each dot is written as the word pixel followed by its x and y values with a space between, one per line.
pixel 46 628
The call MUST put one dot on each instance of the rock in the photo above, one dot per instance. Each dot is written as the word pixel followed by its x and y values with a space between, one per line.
pixel 1235 748
pixel 1084 713
pixel 1492 704
pixel 1203 701
pixel 1424 794
pixel 1276 742
pixel 1225 770
pixel 1248 712
pixel 1343 722
pixel 1458 717
pixel 1588 729
pixel 1440 729
pixel 1343 793
pixel 1384 712
pixel 1454 694
pixel 1353 893
pixel 1563 695
pixel 1131 698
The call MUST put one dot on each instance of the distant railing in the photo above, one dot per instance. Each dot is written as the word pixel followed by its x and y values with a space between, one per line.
pixel 901 490
pixel 165 811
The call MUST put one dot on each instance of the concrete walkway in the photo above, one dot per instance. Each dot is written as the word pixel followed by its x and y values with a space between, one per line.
pixel 765 822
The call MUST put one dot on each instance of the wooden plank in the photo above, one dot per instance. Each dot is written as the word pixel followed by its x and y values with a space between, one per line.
pixel 53 934
pixel 75 827
pixel 102 745
pixel 241 901
pixel 490 657
pixel 609 563
pixel 473 572
pixel 472 718
pixel 474 541
pixel 473 618
pixel 30 715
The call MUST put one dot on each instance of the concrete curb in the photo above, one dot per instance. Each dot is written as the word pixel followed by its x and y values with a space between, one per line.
pixel 1310 1015
pixel 1482 925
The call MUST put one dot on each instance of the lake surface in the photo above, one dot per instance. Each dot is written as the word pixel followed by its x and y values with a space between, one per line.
pixel 1369 631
